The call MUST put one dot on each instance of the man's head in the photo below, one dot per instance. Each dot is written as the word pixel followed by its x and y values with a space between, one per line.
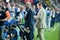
pixel 33 6
pixel 28 5
pixel 21 8
pixel 13 26
pixel 39 5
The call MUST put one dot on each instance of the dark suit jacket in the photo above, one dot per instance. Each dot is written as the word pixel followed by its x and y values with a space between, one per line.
pixel 29 18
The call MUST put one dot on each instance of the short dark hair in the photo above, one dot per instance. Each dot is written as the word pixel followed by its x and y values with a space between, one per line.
pixel 13 26
pixel 39 4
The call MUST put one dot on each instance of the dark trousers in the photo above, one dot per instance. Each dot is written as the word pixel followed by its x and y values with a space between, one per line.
pixel 22 34
pixel 30 36
pixel 52 22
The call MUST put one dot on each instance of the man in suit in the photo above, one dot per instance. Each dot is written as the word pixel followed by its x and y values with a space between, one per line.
pixel 41 21
pixel 29 22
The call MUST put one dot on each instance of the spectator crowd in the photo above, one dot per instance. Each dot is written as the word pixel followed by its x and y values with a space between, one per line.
pixel 18 22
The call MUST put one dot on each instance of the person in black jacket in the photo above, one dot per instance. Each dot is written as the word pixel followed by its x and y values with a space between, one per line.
pixel 3 18
pixel 29 22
